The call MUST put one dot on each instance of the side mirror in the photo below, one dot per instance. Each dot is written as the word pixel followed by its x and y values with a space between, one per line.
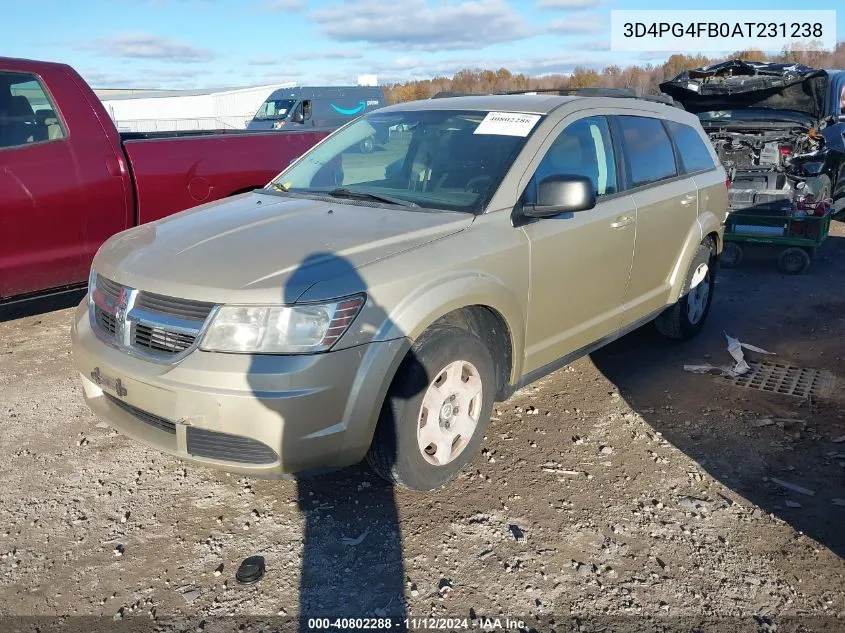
pixel 297 117
pixel 562 194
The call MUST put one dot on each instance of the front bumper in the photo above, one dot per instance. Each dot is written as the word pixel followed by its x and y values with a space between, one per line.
pixel 259 415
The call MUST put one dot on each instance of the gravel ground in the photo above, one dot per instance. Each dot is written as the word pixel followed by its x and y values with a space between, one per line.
pixel 620 487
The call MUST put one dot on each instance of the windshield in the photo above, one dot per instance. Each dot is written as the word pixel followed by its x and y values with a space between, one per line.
pixel 754 114
pixel 274 109
pixel 436 159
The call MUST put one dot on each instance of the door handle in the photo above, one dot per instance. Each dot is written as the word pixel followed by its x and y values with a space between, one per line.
pixel 624 220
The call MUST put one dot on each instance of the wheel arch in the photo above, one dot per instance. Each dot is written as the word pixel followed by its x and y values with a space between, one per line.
pixel 707 226
pixel 476 302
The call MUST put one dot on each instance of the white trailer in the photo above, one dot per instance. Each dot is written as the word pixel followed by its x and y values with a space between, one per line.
pixel 172 110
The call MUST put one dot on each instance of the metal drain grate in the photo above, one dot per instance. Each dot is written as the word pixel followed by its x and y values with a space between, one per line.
pixel 785 379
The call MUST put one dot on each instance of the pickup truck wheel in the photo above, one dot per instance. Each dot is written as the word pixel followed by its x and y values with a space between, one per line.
pixel 686 318
pixel 436 411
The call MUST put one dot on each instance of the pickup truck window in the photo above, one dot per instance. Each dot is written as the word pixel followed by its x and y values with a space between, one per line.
pixel 648 148
pixel 27 114
pixel 692 152
pixel 427 159
pixel 583 148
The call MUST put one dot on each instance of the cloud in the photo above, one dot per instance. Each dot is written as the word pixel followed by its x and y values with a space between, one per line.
pixel 332 54
pixel 262 61
pixel 99 79
pixel 600 45
pixel 571 26
pixel 424 25
pixel 283 5
pixel 568 4
pixel 146 46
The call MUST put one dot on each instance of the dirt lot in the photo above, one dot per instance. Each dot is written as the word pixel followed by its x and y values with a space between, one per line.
pixel 621 487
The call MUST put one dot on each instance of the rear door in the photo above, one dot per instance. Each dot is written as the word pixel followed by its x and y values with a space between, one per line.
pixel 667 207
pixel 63 189
pixel 41 238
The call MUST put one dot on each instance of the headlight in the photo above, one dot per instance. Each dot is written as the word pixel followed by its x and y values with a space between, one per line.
pixel 297 329
pixel 92 284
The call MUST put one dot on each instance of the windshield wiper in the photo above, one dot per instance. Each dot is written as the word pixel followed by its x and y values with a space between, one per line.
pixel 342 192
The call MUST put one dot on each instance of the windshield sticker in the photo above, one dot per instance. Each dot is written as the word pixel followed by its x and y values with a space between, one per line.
pixel 507 124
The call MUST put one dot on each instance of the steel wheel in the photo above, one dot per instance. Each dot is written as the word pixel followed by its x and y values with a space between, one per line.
pixel 699 294
pixel 449 413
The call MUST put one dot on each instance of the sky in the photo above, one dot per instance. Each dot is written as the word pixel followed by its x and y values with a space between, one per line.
pixel 215 43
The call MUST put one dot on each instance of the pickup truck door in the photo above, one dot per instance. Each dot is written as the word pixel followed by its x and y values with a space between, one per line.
pixel 64 188
pixel 580 262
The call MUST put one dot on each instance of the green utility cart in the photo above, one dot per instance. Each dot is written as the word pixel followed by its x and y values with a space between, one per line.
pixel 797 230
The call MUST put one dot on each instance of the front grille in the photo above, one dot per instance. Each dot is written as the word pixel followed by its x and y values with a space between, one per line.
pixel 106 321
pixel 108 287
pixel 228 448
pixel 171 306
pixel 161 340
pixel 158 326
pixel 143 416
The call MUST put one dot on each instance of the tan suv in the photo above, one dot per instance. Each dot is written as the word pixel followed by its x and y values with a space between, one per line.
pixel 376 304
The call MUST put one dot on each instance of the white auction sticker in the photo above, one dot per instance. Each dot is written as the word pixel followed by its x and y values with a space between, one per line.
pixel 507 124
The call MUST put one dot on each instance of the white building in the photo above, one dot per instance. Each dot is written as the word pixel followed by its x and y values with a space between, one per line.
pixel 170 110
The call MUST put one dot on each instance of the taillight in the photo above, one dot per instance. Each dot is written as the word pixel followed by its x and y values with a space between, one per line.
pixel 728 183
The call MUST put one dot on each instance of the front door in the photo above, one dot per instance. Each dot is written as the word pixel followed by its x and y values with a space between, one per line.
pixel 580 262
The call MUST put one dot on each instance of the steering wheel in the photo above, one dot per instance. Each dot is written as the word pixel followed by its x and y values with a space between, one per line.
pixel 470 186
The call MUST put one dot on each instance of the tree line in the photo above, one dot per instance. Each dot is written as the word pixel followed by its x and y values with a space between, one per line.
pixel 643 79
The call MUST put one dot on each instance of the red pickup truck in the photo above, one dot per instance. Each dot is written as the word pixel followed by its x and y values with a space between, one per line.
pixel 69 180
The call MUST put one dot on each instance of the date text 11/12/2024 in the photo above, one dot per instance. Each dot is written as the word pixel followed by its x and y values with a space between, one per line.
pixel 416 624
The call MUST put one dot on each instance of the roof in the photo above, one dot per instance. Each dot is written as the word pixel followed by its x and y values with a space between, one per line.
pixel 523 103
pixel 528 104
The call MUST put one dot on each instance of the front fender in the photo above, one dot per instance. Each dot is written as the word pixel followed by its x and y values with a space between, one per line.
pixel 415 313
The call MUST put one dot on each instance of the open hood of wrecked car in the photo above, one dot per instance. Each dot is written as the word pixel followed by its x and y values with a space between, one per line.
pixel 738 84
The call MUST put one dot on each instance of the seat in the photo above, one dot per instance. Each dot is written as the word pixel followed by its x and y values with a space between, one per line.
pixel 18 122
pixel 48 126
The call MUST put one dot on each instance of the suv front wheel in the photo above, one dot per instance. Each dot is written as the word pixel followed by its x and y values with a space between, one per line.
pixel 436 411
pixel 686 317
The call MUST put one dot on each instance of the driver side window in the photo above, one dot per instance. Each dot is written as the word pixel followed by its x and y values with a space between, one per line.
pixel 583 148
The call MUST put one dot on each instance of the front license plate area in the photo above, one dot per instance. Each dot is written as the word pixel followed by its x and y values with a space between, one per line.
pixel 115 386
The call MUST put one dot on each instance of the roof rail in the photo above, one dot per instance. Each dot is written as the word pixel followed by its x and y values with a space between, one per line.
pixel 446 94
pixel 624 93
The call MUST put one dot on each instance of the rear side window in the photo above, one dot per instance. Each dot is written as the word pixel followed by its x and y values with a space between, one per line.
pixel 648 150
pixel 693 154
pixel 26 113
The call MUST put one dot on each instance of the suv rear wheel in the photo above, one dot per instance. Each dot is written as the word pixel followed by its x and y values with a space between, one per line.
pixel 436 411
pixel 686 318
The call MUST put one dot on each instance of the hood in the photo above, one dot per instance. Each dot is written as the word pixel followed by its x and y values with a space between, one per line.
pixel 740 84
pixel 261 248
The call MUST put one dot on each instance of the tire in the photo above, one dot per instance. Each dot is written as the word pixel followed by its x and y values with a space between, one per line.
pixel 732 255
pixel 685 319
pixel 396 453
pixel 793 260
pixel 367 145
